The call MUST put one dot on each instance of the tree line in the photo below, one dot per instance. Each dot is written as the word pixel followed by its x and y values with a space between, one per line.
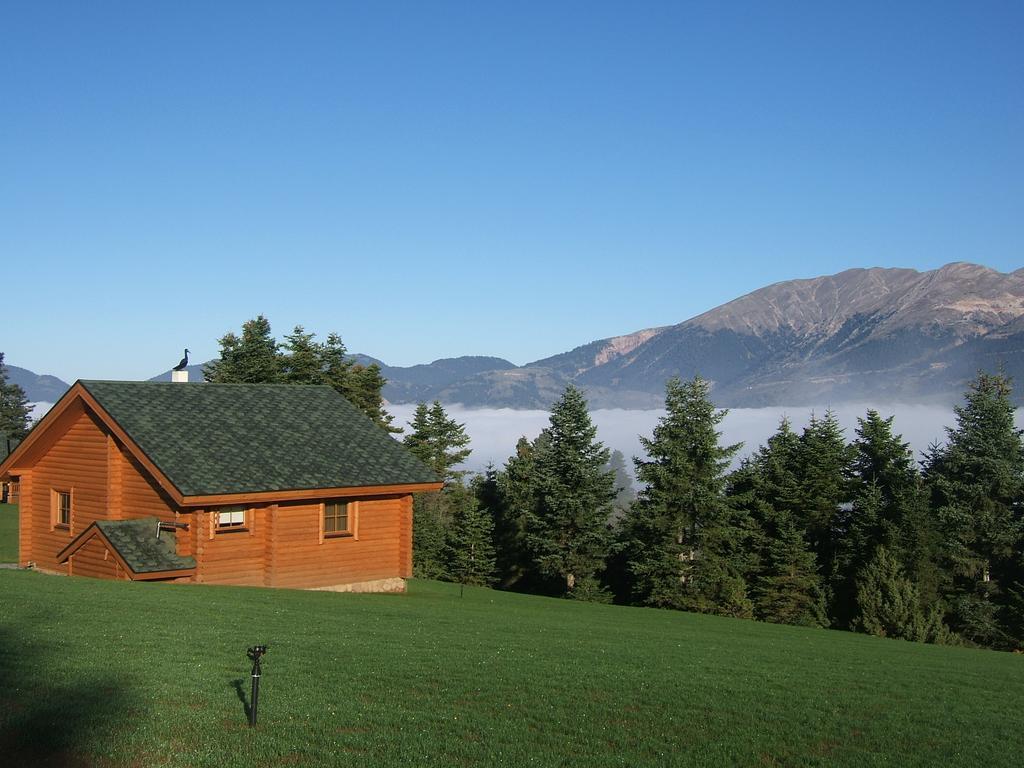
pixel 810 529
pixel 256 357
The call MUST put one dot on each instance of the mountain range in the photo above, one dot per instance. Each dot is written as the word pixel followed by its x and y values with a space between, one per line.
pixel 884 335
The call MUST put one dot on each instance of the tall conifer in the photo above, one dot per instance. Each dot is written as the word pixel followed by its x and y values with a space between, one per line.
pixel 889 604
pixel 439 441
pixel 252 358
pixel 567 528
pixel 470 541
pixel 785 584
pixel 625 493
pixel 514 498
pixel 445 521
pixel 15 411
pixel 977 485
pixel 302 361
pixel 686 542
pixel 886 491
pixel 823 470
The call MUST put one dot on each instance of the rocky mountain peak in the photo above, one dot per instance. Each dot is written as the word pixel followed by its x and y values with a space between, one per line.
pixel 623 345
pixel 973 296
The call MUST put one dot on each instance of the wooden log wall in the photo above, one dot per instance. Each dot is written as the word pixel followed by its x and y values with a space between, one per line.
pixel 26 521
pixel 405 550
pixel 141 496
pixel 283 546
pixel 232 556
pixel 93 559
pixel 300 557
pixel 76 462
pixel 105 481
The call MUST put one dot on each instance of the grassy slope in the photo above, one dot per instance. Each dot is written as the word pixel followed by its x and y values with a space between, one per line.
pixel 130 674
pixel 8 533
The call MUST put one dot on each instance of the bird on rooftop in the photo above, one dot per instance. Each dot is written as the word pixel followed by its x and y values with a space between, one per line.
pixel 184 361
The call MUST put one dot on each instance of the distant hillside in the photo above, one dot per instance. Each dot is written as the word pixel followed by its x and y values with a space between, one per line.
pixel 38 388
pixel 431 380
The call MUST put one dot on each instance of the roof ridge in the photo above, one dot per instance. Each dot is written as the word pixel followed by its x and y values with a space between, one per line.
pixel 149 382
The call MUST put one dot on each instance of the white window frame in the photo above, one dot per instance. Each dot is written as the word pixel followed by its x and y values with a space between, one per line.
pixel 237 519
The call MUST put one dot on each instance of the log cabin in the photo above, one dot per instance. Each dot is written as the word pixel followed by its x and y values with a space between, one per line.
pixel 249 484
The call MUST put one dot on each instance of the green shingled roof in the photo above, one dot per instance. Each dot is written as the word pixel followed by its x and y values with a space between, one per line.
pixel 247 438
pixel 137 544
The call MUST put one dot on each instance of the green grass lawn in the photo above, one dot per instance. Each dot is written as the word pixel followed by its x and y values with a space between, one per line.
pixel 125 674
pixel 8 533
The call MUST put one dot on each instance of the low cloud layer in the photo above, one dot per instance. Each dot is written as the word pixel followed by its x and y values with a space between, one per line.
pixel 36 411
pixel 494 432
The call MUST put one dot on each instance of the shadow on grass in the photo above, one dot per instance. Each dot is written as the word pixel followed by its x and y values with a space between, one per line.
pixel 50 714
pixel 239 686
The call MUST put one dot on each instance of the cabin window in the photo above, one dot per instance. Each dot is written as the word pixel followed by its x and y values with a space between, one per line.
pixel 338 518
pixel 61 509
pixel 230 519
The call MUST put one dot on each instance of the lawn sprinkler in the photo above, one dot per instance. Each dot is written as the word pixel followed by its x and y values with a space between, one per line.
pixel 254 654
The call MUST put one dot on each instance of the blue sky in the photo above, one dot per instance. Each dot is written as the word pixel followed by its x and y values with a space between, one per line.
pixel 515 179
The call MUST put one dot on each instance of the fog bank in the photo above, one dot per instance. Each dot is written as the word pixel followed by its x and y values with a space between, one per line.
pixel 494 431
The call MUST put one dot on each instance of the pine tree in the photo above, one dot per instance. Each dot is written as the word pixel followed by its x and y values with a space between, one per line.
pixel 788 589
pixel 566 529
pixel 225 370
pixel 889 604
pixel 887 490
pixel 516 495
pixel 823 470
pixel 303 359
pixel 470 548
pixel 625 493
pixel 251 359
pixel 438 441
pixel 15 410
pixel 419 437
pixel 977 486
pixel 363 389
pixel 441 443
pixel 686 542
pixel 335 363
pixel 452 443
pixel 785 584
pixel 881 457
pixel 430 521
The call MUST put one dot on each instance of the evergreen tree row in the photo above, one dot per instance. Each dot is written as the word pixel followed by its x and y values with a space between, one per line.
pixel 810 529
pixel 256 357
